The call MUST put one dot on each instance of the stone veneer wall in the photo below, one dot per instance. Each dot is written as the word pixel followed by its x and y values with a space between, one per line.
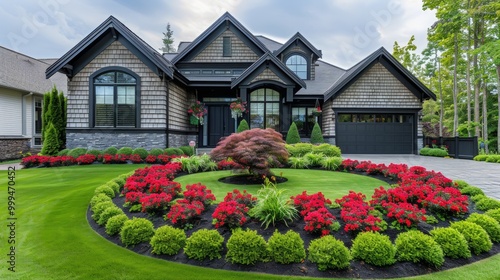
pixel 100 141
pixel 240 52
pixel 11 148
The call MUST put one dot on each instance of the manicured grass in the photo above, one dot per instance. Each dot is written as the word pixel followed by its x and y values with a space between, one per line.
pixel 54 240
pixel 332 184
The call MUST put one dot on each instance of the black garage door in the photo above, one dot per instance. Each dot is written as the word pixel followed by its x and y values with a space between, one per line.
pixel 374 134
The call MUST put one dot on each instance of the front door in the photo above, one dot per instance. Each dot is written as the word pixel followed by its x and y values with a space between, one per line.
pixel 219 124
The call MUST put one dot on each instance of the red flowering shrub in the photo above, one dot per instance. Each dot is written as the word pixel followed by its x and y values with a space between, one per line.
pixel 393 170
pixel 356 213
pixel 86 159
pixel 114 159
pixel 404 214
pixel 163 159
pixel 446 202
pixel 307 203
pixel 155 203
pixel 230 214
pixel 226 164
pixel 34 161
pixel 151 159
pixel 183 212
pixel 319 220
pixel 349 164
pixel 61 161
pixel 198 192
pixel 133 198
pixel 135 158
pixel 351 196
pixel 241 197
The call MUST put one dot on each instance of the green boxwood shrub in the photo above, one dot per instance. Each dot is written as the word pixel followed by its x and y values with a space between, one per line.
pixel 317 135
pixel 120 181
pixel 477 238
pixel 478 197
pixel 327 150
pixel 136 231
pixel 494 213
pixel 100 208
pixel 108 213
pixel 101 197
pixel 115 224
pixel 63 152
pixel 246 247
pixel 174 151
pixel 243 126
pixel 487 203
pixel 329 253
pixel 204 244
pixel 105 189
pixel 415 246
pixel 489 224
pixel 168 240
pixel 433 152
pixel 94 152
pixel 373 248
pixel 76 152
pixel 143 153
pixel 114 186
pixel 452 242
pixel 156 152
pixel 187 150
pixel 125 151
pixel 481 157
pixel 286 248
pixel 293 136
pixel 110 151
pixel 461 184
pixel 471 191
pixel 493 158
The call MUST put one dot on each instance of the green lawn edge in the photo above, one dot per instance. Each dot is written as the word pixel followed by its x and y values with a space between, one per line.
pixel 54 240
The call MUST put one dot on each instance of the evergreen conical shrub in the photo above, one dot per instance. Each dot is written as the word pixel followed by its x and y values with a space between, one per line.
pixel 293 137
pixel 51 143
pixel 317 135
pixel 243 126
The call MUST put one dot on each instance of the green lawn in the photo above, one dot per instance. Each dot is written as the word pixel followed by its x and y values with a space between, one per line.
pixel 54 240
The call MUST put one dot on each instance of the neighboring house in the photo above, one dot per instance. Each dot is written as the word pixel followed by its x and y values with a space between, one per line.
pixel 122 92
pixel 22 85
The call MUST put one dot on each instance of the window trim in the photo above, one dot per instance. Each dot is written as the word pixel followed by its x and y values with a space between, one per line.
pixel 308 67
pixel 92 95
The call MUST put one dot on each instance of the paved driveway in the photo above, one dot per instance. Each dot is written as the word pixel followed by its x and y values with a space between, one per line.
pixel 484 175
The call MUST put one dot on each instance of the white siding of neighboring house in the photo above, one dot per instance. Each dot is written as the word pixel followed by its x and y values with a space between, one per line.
pixel 29 107
pixel 10 112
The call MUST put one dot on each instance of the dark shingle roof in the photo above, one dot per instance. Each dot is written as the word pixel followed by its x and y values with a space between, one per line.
pixel 326 75
pixel 270 44
pixel 299 37
pixel 112 25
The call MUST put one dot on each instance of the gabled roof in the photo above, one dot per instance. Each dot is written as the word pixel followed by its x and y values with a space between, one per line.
pixel 224 19
pixel 301 38
pixel 399 71
pixel 26 74
pixel 268 57
pixel 106 33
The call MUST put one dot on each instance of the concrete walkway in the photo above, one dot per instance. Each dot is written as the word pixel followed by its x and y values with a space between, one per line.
pixel 6 166
pixel 484 175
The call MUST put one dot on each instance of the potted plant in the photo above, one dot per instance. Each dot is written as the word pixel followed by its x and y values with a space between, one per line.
pixel 237 108
pixel 197 111
pixel 317 111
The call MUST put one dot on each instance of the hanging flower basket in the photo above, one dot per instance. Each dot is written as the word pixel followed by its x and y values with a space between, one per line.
pixel 237 107
pixel 197 111
pixel 317 112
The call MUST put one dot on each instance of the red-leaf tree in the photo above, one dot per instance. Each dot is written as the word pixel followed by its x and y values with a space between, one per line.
pixel 257 149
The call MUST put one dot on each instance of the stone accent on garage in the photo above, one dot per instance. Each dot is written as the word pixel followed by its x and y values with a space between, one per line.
pixel 13 148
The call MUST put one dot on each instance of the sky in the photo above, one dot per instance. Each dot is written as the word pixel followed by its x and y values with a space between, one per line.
pixel 345 30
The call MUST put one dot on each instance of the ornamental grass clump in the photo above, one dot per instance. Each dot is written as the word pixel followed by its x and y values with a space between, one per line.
pixel 168 240
pixel 373 248
pixel 452 242
pixel 477 238
pixel 273 206
pixel 136 231
pixel 204 244
pixel 415 246
pixel 329 253
pixel 246 247
pixel 286 248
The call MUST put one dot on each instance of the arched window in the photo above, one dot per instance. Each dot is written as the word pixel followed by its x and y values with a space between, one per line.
pixel 298 64
pixel 265 109
pixel 116 99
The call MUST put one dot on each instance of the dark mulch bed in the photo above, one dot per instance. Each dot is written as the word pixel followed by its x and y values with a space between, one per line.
pixel 357 269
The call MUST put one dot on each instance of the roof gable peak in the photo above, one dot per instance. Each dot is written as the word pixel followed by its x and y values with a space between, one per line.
pixel 299 37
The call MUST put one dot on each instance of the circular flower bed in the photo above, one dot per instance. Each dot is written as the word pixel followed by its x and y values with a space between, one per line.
pixel 315 232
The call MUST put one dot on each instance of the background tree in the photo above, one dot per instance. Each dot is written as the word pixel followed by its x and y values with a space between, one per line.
pixel 168 41
pixel 54 113
pixel 45 112
pixel 317 135
pixel 243 126
pixel 293 136
pixel 257 149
